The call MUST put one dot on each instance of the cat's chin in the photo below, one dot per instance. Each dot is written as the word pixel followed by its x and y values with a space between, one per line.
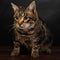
pixel 27 29
pixel 23 29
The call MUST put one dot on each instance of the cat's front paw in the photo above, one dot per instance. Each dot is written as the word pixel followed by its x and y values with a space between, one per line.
pixel 49 51
pixel 45 50
pixel 35 54
pixel 15 52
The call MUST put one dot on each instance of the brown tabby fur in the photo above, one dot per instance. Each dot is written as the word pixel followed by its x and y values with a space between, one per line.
pixel 30 31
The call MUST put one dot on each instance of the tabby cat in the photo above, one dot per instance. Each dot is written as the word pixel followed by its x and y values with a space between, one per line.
pixel 30 31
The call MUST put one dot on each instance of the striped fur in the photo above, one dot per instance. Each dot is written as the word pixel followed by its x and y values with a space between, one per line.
pixel 30 31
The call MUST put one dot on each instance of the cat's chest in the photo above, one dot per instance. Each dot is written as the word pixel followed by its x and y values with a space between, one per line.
pixel 25 40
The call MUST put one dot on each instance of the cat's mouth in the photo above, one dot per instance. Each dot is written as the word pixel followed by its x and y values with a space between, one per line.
pixel 26 27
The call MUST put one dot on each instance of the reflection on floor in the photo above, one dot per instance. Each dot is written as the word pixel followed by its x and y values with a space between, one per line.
pixel 5 55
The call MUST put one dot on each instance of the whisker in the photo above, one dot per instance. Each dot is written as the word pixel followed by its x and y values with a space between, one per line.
pixel 11 29
pixel 11 25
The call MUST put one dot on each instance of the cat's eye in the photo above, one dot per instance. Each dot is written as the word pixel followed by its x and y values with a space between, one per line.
pixel 16 17
pixel 25 17
pixel 32 19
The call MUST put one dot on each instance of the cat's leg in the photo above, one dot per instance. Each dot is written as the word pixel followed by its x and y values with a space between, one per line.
pixel 45 46
pixel 35 48
pixel 45 49
pixel 35 51
pixel 48 50
pixel 16 49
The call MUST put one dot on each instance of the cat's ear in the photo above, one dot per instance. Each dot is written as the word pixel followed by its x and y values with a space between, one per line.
pixel 15 7
pixel 32 8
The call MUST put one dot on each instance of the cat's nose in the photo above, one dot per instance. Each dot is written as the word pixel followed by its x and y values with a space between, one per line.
pixel 21 21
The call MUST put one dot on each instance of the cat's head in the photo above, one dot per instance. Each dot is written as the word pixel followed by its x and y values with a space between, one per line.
pixel 25 18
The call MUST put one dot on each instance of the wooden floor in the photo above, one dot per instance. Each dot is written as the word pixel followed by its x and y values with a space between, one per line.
pixel 5 55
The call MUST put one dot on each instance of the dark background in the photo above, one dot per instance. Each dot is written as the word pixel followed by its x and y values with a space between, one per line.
pixel 48 10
